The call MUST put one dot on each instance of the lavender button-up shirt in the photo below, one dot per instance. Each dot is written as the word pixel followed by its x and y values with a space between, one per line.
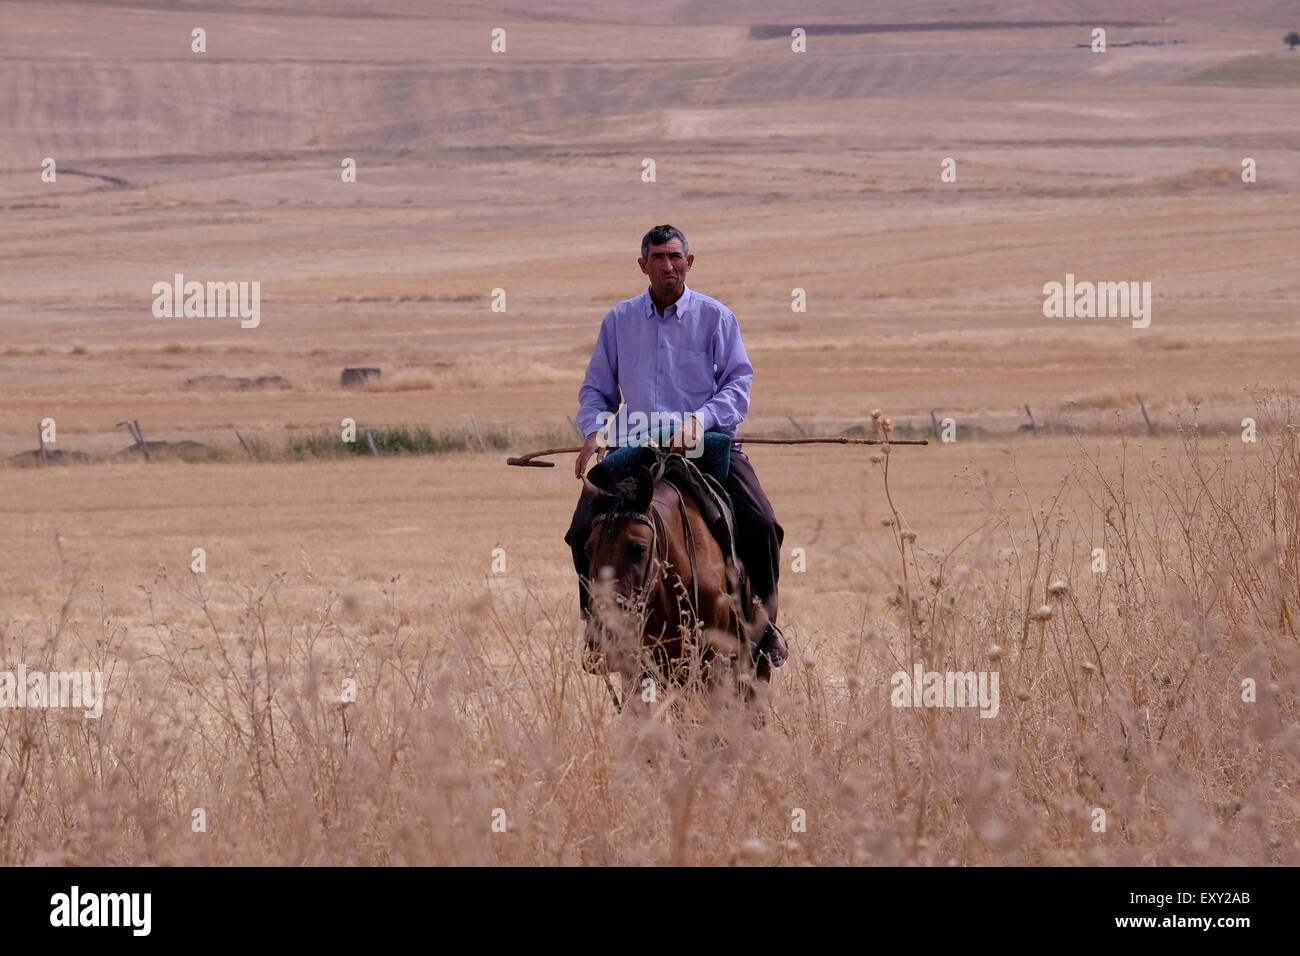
pixel 690 360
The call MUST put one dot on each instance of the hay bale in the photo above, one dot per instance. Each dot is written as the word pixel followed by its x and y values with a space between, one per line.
pixel 358 376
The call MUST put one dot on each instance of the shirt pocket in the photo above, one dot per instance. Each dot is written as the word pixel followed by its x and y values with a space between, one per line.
pixel 694 376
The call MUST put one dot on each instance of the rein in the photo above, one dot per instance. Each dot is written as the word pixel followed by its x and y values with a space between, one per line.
pixel 638 602
pixel 690 550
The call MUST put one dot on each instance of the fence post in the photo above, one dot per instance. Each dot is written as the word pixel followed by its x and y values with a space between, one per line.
pixel 139 437
pixel 1142 405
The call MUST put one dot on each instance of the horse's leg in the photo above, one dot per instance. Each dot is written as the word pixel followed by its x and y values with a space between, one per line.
pixel 744 673
pixel 757 679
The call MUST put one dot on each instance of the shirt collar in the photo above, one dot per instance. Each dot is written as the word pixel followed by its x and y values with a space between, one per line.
pixel 683 304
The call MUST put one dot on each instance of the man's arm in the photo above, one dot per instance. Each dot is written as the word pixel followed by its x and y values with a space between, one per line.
pixel 730 404
pixel 599 391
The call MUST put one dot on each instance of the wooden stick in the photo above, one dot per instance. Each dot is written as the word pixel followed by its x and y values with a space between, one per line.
pixel 245 444
pixel 477 435
pixel 1032 424
pixel 40 437
pixel 527 460
pixel 797 426
pixel 371 439
pixel 829 441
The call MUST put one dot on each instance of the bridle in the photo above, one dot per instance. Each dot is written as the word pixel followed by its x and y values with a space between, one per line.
pixel 638 603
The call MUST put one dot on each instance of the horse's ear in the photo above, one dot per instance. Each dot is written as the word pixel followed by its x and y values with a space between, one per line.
pixel 645 488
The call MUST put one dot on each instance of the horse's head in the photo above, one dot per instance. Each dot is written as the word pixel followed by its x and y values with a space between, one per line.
pixel 625 550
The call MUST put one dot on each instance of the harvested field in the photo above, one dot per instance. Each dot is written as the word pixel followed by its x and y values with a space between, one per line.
pixel 235 589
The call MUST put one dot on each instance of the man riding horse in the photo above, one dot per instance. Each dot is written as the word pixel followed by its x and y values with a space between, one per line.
pixel 674 350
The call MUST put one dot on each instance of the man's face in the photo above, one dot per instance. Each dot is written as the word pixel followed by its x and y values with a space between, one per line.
pixel 667 267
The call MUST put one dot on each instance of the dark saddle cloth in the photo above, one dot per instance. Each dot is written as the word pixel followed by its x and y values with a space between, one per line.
pixel 622 463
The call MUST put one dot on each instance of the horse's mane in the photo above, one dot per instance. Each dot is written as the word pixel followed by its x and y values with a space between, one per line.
pixel 620 497
pixel 614 502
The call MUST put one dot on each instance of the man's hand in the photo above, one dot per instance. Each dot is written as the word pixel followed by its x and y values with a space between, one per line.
pixel 592 445
pixel 687 438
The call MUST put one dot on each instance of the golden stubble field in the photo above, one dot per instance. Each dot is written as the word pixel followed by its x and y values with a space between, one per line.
pixel 522 172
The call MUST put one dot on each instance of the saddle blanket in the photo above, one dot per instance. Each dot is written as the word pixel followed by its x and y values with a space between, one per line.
pixel 622 463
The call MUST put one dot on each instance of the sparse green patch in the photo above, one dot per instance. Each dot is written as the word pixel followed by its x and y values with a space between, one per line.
pixel 1255 71
pixel 393 440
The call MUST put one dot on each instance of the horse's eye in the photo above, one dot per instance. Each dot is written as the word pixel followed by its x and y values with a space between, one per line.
pixel 637 548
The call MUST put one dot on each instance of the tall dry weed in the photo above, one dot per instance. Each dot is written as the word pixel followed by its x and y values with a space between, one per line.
pixel 1122 735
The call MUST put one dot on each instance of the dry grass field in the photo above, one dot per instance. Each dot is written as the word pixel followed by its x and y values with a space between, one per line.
pixel 1121 691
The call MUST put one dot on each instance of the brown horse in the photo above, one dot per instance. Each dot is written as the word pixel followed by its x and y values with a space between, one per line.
pixel 665 602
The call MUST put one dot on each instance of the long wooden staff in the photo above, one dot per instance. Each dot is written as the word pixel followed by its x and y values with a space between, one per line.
pixel 528 461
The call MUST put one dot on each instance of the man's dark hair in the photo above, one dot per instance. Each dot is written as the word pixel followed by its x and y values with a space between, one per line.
pixel 661 234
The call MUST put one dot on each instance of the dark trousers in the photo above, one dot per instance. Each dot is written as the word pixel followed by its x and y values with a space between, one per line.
pixel 758 536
